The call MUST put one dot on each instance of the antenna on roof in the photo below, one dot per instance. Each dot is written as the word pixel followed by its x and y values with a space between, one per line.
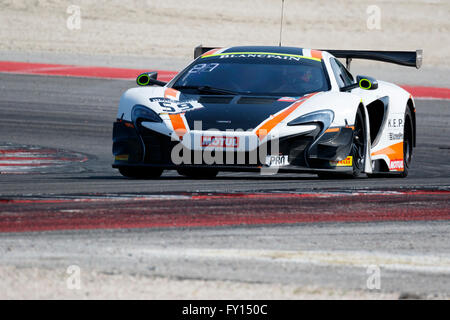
pixel 281 24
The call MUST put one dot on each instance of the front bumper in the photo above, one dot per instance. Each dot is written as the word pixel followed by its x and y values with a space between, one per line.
pixel 141 147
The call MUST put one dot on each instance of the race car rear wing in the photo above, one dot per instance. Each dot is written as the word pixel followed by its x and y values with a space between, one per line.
pixel 404 58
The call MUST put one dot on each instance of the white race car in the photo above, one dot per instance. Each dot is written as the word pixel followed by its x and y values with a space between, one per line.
pixel 268 109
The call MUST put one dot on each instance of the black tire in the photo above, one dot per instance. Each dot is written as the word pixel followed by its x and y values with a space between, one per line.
pixel 408 135
pixel 141 172
pixel 198 173
pixel 358 151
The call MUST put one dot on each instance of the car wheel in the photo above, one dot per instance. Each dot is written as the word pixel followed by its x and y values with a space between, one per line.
pixel 141 172
pixel 407 143
pixel 407 150
pixel 197 173
pixel 358 151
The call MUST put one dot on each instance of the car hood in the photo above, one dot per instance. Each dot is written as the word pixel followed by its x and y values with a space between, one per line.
pixel 233 112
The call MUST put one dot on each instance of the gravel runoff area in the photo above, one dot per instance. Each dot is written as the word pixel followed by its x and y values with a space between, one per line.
pixel 41 283
pixel 162 34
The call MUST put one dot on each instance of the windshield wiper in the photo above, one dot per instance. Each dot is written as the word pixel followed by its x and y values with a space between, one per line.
pixel 208 89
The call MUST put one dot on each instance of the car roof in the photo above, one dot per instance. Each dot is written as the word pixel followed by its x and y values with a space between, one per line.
pixel 269 49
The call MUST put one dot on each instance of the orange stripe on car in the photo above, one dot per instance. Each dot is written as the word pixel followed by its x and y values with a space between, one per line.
pixel 394 151
pixel 336 129
pixel 170 93
pixel 178 124
pixel 332 130
pixel 316 54
pixel 270 123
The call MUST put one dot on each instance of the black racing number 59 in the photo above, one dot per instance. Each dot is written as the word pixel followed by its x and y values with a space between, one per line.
pixel 185 106
pixel 167 106
pixel 171 107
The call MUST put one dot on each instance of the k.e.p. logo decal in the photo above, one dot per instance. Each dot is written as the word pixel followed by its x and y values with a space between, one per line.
pixel 395 123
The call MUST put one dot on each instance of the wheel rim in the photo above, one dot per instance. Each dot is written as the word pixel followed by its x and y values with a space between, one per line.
pixel 406 151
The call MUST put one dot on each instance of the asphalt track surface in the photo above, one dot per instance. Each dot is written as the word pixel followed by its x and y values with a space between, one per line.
pixel 239 227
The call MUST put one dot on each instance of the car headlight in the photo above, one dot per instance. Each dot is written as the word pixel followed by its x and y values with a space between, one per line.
pixel 325 117
pixel 142 113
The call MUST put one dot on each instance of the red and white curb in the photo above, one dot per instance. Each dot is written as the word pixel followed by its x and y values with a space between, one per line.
pixel 20 159
pixel 108 197
pixel 419 92
pixel 186 210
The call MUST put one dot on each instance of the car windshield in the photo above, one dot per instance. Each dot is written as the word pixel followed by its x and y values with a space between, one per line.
pixel 267 74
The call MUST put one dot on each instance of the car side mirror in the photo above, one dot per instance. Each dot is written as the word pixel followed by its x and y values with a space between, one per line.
pixel 149 78
pixel 367 83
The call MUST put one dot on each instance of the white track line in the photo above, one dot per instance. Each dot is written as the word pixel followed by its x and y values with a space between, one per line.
pixel 361 259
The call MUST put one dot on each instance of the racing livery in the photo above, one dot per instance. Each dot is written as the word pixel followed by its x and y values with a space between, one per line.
pixel 268 109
